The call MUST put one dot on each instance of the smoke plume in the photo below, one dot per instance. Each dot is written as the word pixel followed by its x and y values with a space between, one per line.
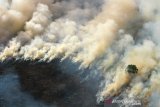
pixel 106 35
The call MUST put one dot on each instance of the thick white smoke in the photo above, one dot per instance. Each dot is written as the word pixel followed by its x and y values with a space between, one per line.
pixel 90 34
pixel 14 15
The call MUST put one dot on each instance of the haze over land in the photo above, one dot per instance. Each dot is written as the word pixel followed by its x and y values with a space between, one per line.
pixel 105 35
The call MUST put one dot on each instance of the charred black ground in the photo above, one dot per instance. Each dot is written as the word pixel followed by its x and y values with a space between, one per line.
pixel 49 83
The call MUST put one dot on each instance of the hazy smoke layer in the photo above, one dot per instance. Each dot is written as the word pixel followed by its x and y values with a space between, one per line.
pixel 106 37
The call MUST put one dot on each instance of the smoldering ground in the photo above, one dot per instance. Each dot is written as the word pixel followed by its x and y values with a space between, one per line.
pixel 103 36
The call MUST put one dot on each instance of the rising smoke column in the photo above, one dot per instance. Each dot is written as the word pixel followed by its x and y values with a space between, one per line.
pixel 32 28
pixel 15 14
pixel 14 18
pixel 90 40
pixel 145 55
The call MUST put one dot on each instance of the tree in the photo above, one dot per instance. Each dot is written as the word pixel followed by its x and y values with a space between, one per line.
pixel 132 69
